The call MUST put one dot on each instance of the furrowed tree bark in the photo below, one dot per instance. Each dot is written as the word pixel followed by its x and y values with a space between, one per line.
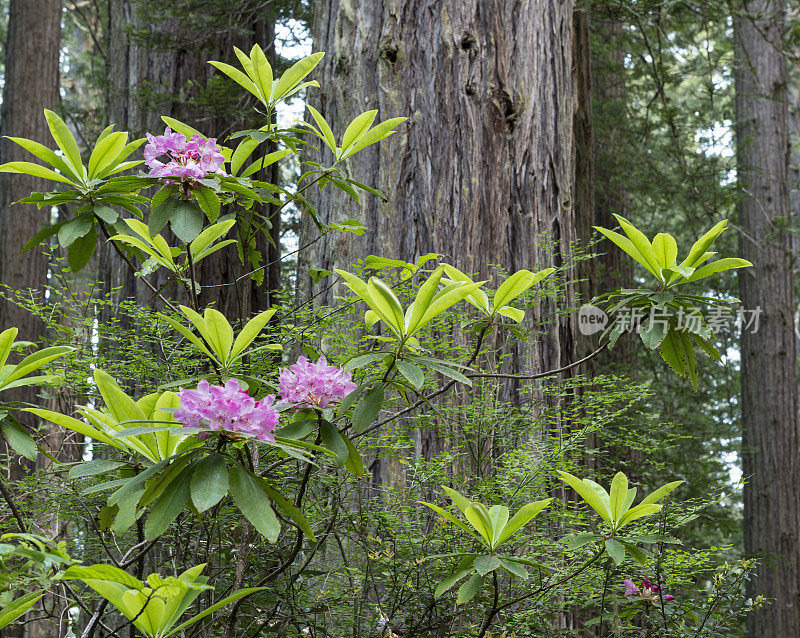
pixel 483 171
pixel 159 68
pixel 770 459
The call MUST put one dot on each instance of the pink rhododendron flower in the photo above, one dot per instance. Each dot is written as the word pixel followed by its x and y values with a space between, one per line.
pixel 227 408
pixel 193 159
pixel 316 385
pixel 649 591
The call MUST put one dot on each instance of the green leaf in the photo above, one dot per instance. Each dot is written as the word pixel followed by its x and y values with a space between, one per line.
pixel 74 229
pixel 619 494
pixel 411 372
pixel 700 247
pixel 218 333
pixel 16 608
pixel 240 78
pixel 208 236
pixel 461 502
pixel 512 288
pixel 639 511
pixel 660 493
pixel 261 71
pixel 168 506
pixel 628 247
pixel 36 170
pixel 290 509
pixel 616 550
pixel 642 244
pixel 357 128
pixel 588 494
pixel 721 265
pixel 18 438
pixel 248 493
pixel 354 463
pixel 468 590
pixel 241 593
pixel 379 132
pixel 187 221
pixel 106 152
pixel 367 409
pixel 450 580
pixel 513 313
pixel 666 249
pixel 654 332
pixel 44 233
pixel 295 74
pixel 522 518
pixel 66 141
pixel 478 516
pixel 250 331
pixel 450 518
pixel 46 155
pixel 325 129
pixel 386 304
pixel 209 482
pixel 95 467
pixel 334 441
pixel 81 250
pixel 161 214
pixel 515 569
pixel 209 202
pixel 485 564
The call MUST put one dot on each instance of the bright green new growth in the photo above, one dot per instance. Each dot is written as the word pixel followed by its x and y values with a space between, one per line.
pixel 490 527
pixel 15 376
pixel 154 606
pixel 616 510
pixel 671 322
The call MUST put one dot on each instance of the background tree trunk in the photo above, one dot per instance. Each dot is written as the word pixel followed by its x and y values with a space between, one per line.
pixel 770 460
pixel 161 68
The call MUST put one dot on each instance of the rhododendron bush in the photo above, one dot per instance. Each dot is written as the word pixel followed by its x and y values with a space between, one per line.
pixel 237 472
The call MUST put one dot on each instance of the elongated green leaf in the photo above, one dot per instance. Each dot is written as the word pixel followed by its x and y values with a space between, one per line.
pixel 478 516
pixel 376 134
pixel 240 78
pixel 17 607
pixel 218 333
pixel 250 331
pixel 46 155
pixel 448 297
pixel 252 500
pixel 36 170
pixel 451 580
pixel 357 128
pixel 616 550
pixel 95 467
pixel 187 221
pixel 701 245
pixel 461 502
pixel 161 213
pixel 261 71
pixel 242 152
pixel 209 482
pixel 209 202
pixel 638 512
pixel 82 249
pixel 499 516
pixel 666 249
pixel 422 301
pixel 721 265
pixel 468 590
pixel 295 74
pixel 106 152
pixel 386 304
pixel 74 229
pixel 290 509
pixel 241 593
pixel 627 246
pixel 6 342
pixel 333 440
pixel 18 438
pixel 513 287
pixel 197 343
pixel 619 494
pixel 34 361
pixel 452 519
pixel 486 564
pixel 265 161
pixel 661 492
pixel 587 494
pixel 367 409
pixel 76 426
pixel 411 372
pixel 210 235
pixel 525 514
pixel 324 127
pixel 66 141
pixel 168 506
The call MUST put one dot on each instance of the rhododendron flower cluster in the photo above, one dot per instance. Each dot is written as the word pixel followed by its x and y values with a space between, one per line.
pixel 193 159
pixel 315 385
pixel 649 591
pixel 228 408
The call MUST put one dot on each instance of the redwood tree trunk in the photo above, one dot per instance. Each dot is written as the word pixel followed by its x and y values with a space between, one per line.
pixel 160 68
pixel 769 367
